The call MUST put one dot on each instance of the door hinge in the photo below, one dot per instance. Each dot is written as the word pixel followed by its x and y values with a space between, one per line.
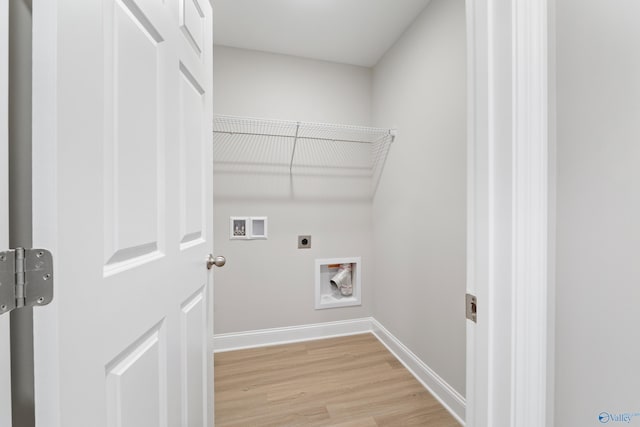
pixel 26 278
pixel 472 308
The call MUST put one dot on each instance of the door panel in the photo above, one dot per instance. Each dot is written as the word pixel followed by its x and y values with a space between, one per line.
pixel 5 361
pixel 194 358
pixel 192 23
pixel 134 137
pixel 192 146
pixel 133 218
pixel 137 383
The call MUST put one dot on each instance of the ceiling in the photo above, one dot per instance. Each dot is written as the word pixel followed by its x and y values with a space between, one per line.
pixel 354 32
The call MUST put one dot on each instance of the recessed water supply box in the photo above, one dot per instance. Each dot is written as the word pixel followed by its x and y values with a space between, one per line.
pixel 338 282
pixel 247 227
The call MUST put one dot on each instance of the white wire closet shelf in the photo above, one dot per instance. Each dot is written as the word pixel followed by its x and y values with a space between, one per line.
pixel 247 145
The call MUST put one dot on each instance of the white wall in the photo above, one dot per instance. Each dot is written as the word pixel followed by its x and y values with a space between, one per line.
pixel 420 208
pixel 598 210
pixel 265 85
pixel 270 283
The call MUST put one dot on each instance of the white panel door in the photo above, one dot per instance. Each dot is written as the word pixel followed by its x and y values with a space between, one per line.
pixel 123 197
pixel 5 361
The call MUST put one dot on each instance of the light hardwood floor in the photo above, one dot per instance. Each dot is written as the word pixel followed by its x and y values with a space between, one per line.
pixel 347 382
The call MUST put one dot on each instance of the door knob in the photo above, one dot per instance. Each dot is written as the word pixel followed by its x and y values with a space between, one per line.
pixel 218 261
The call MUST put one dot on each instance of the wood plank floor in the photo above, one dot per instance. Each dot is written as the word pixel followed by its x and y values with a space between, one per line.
pixel 347 382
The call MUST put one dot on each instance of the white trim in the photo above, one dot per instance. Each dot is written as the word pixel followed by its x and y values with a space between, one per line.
pixel 508 200
pixel 5 351
pixel 530 210
pixel 480 199
pixel 290 334
pixel 473 131
pixel 551 232
pixel 48 380
pixel 452 401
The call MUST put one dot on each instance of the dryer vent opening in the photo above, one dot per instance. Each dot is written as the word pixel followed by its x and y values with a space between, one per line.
pixel 342 281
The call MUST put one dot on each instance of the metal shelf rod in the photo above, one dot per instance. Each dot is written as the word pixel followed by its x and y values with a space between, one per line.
pixel 293 152
pixel 294 136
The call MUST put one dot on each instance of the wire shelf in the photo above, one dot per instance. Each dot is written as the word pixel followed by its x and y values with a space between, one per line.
pixel 250 145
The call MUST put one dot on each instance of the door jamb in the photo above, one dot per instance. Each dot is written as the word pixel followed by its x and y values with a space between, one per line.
pixel 45 332
pixel 509 378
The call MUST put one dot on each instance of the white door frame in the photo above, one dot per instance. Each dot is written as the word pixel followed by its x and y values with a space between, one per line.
pixel 5 354
pixel 44 146
pixel 508 376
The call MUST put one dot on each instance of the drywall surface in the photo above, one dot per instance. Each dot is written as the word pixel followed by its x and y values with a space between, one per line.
pixel 420 207
pixel 270 283
pixel 266 85
pixel 598 212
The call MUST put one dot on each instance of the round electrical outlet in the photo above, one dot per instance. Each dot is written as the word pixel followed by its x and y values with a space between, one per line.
pixel 304 242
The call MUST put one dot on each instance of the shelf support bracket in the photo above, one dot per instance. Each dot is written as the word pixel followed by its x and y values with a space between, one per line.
pixel 293 152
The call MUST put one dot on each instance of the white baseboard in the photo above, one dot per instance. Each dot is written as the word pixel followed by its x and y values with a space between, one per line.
pixel 453 401
pixel 291 334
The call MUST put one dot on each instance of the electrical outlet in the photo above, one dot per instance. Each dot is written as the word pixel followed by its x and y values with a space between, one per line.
pixel 304 242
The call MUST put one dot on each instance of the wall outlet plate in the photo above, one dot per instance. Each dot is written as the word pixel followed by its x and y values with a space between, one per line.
pixel 247 227
pixel 304 242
